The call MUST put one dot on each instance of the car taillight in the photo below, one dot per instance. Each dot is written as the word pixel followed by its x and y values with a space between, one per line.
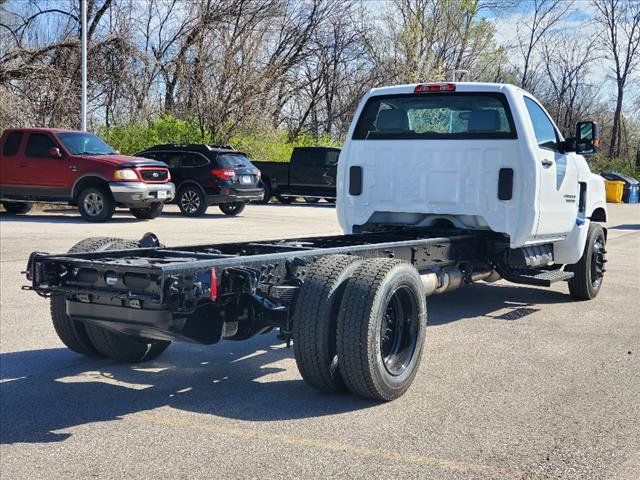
pixel 213 293
pixel 224 173
pixel 435 87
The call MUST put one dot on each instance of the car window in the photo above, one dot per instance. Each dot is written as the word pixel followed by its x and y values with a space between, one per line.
pixel 38 145
pixel 436 116
pixel 12 144
pixel 231 160
pixel 545 132
pixel 331 158
pixel 172 159
pixel 193 160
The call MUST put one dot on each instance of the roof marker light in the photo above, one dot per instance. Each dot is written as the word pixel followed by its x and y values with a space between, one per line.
pixel 435 87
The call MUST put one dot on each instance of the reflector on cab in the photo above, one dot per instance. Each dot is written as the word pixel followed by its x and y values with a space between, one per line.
pixel 435 87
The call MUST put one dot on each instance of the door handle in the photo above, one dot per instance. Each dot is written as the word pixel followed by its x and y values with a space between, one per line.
pixel 546 163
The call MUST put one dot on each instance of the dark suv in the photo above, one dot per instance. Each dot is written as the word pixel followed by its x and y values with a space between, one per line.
pixel 209 175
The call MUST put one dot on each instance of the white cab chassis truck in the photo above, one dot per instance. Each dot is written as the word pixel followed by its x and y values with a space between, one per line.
pixel 439 185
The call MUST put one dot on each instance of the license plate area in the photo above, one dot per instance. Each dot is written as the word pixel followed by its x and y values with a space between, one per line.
pixel 162 194
pixel 246 179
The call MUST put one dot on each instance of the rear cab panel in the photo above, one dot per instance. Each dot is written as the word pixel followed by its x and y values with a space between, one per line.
pixel 467 156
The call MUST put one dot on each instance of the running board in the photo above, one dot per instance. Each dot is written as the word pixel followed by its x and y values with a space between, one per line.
pixel 540 278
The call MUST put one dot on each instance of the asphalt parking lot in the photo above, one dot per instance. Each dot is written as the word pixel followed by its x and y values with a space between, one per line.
pixel 515 382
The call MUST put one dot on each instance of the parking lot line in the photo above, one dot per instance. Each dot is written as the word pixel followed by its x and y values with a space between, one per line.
pixel 322 444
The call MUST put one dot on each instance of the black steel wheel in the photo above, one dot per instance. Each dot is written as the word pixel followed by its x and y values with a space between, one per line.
pixel 17 208
pixel 192 201
pixel 398 331
pixel 588 273
pixel 152 211
pixel 96 204
pixel 232 209
pixel 315 321
pixel 381 329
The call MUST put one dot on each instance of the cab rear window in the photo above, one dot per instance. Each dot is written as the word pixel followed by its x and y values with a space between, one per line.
pixel 433 116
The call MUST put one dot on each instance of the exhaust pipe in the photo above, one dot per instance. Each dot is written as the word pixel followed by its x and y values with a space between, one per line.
pixel 452 278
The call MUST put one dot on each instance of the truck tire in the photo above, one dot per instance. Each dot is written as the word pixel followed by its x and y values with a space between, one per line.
pixel 124 348
pixel 381 329
pixel 287 200
pixel 118 346
pixel 96 204
pixel 93 340
pixel 73 333
pixel 589 271
pixel 232 209
pixel 152 211
pixel 268 192
pixel 17 208
pixel 315 321
pixel 192 201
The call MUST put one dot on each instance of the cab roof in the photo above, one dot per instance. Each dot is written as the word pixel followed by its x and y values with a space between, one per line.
pixel 459 87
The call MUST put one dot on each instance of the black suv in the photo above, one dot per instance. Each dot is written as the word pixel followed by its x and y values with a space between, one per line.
pixel 209 175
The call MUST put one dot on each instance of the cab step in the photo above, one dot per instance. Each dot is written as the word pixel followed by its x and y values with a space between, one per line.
pixel 540 278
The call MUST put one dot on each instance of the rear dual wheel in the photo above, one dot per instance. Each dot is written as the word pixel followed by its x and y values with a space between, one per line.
pixel 91 340
pixel 360 325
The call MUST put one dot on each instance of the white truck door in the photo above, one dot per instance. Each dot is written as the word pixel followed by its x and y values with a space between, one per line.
pixel 557 179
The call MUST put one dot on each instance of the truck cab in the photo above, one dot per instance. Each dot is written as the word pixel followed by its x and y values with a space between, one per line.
pixel 473 156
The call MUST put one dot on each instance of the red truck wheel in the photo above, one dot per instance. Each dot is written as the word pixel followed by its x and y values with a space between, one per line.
pixel 96 204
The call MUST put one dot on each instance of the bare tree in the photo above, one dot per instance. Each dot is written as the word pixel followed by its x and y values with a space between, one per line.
pixel 568 94
pixel 620 32
pixel 545 15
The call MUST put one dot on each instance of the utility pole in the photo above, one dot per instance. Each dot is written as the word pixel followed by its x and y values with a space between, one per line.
pixel 83 40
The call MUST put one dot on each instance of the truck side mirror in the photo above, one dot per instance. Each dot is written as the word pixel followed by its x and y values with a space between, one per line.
pixel 54 152
pixel 587 138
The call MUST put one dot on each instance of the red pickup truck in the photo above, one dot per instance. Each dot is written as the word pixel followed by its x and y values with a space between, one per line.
pixel 77 168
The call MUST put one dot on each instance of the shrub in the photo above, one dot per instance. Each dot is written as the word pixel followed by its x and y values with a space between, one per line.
pixel 599 163
pixel 272 145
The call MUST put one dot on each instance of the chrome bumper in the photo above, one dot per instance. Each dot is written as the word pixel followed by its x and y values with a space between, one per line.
pixel 132 194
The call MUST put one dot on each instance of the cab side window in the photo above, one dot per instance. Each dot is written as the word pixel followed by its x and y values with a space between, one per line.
pixel 38 145
pixel 12 144
pixel 545 132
